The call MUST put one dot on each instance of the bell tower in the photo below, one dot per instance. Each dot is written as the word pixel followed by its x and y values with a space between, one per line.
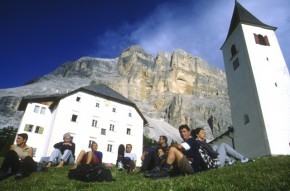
pixel 259 86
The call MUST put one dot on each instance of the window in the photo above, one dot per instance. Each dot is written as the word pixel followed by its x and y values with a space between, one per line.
pixel 262 40
pixel 109 148
pixel 97 104
pixel 34 151
pixel 233 50
pixel 94 123
pixel 128 131
pixel 114 109
pixel 36 109
pixel 103 131
pixel 39 130
pixel 78 99
pixel 90 143
pixel 236 64
pixel 246 119
pixel 42 111
pixel 130 114
pixel 74 118
pixel 28 128
pixel 112 127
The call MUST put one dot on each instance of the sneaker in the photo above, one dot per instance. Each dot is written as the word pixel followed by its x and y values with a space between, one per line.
pixel 120 165
pixel 244 160
pixel 161 175
pixel 230 163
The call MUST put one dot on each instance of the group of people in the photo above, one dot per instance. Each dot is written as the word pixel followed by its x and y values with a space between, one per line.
pixel 19 159
pixel 160 161
pixel 185 158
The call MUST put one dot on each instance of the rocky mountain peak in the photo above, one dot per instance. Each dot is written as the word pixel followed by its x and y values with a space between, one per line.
pixel 176 88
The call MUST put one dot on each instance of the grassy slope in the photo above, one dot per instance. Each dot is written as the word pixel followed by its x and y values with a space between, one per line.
pixel 272 173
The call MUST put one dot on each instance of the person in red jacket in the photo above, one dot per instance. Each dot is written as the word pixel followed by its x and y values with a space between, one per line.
pixel 91 157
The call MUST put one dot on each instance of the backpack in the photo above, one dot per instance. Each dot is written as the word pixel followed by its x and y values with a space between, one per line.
pixel 90 173
pixel 209 162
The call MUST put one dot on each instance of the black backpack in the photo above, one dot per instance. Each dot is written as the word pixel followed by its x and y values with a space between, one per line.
pixel 90 173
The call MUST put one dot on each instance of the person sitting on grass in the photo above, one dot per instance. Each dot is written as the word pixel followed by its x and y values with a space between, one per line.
pixel 150 157
pixel 19 159
pixel 90 157
pixel 225 152
pixel 185 156
pixel 64 152
pixel 128 160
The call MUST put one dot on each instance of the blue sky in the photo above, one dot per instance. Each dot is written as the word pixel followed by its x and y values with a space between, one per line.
pixel 37 36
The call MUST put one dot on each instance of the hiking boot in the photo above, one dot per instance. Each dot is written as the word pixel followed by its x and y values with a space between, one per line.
pixel 19 175
pixel 161 175
pixel 131 168
pixel 152 172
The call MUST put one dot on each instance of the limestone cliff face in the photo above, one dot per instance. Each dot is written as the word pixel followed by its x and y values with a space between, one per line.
pixel 179 87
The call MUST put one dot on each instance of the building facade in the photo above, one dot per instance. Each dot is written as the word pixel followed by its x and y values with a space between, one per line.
pixel 259 86
pixel 93 113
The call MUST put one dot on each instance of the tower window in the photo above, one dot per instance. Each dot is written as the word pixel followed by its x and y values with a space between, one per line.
pixel 233 50
pixel 262 40
pixel 246 119
pixel 78 99
pixel 236 64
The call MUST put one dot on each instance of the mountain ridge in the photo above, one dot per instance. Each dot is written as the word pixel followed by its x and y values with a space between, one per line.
pixel 177 88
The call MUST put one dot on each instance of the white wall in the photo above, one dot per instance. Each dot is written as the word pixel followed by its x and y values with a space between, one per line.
pixel 36 140
pixel 83 131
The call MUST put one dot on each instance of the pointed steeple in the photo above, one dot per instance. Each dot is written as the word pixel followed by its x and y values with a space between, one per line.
pixel 241 15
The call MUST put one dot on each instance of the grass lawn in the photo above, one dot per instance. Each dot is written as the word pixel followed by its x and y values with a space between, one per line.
pixel 270 173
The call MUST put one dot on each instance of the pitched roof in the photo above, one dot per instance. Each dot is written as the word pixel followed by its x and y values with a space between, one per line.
pixel 100 90
pixel 242 15
pixel 104 91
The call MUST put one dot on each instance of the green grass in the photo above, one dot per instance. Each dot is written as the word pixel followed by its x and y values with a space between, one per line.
pixel 270 173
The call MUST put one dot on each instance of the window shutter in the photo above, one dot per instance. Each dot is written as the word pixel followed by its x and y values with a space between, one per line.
pixel 26 127
pixel 266 41
pixel 256 38
pixel 41 130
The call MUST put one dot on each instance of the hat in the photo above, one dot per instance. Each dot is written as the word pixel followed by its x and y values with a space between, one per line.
pixel 66 135
pixel 23 135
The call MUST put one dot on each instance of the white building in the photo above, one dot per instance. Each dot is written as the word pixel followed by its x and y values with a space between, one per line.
pixel 93 113
pixel 259 86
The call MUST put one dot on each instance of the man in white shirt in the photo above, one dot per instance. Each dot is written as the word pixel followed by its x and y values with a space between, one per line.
pixel 129 160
